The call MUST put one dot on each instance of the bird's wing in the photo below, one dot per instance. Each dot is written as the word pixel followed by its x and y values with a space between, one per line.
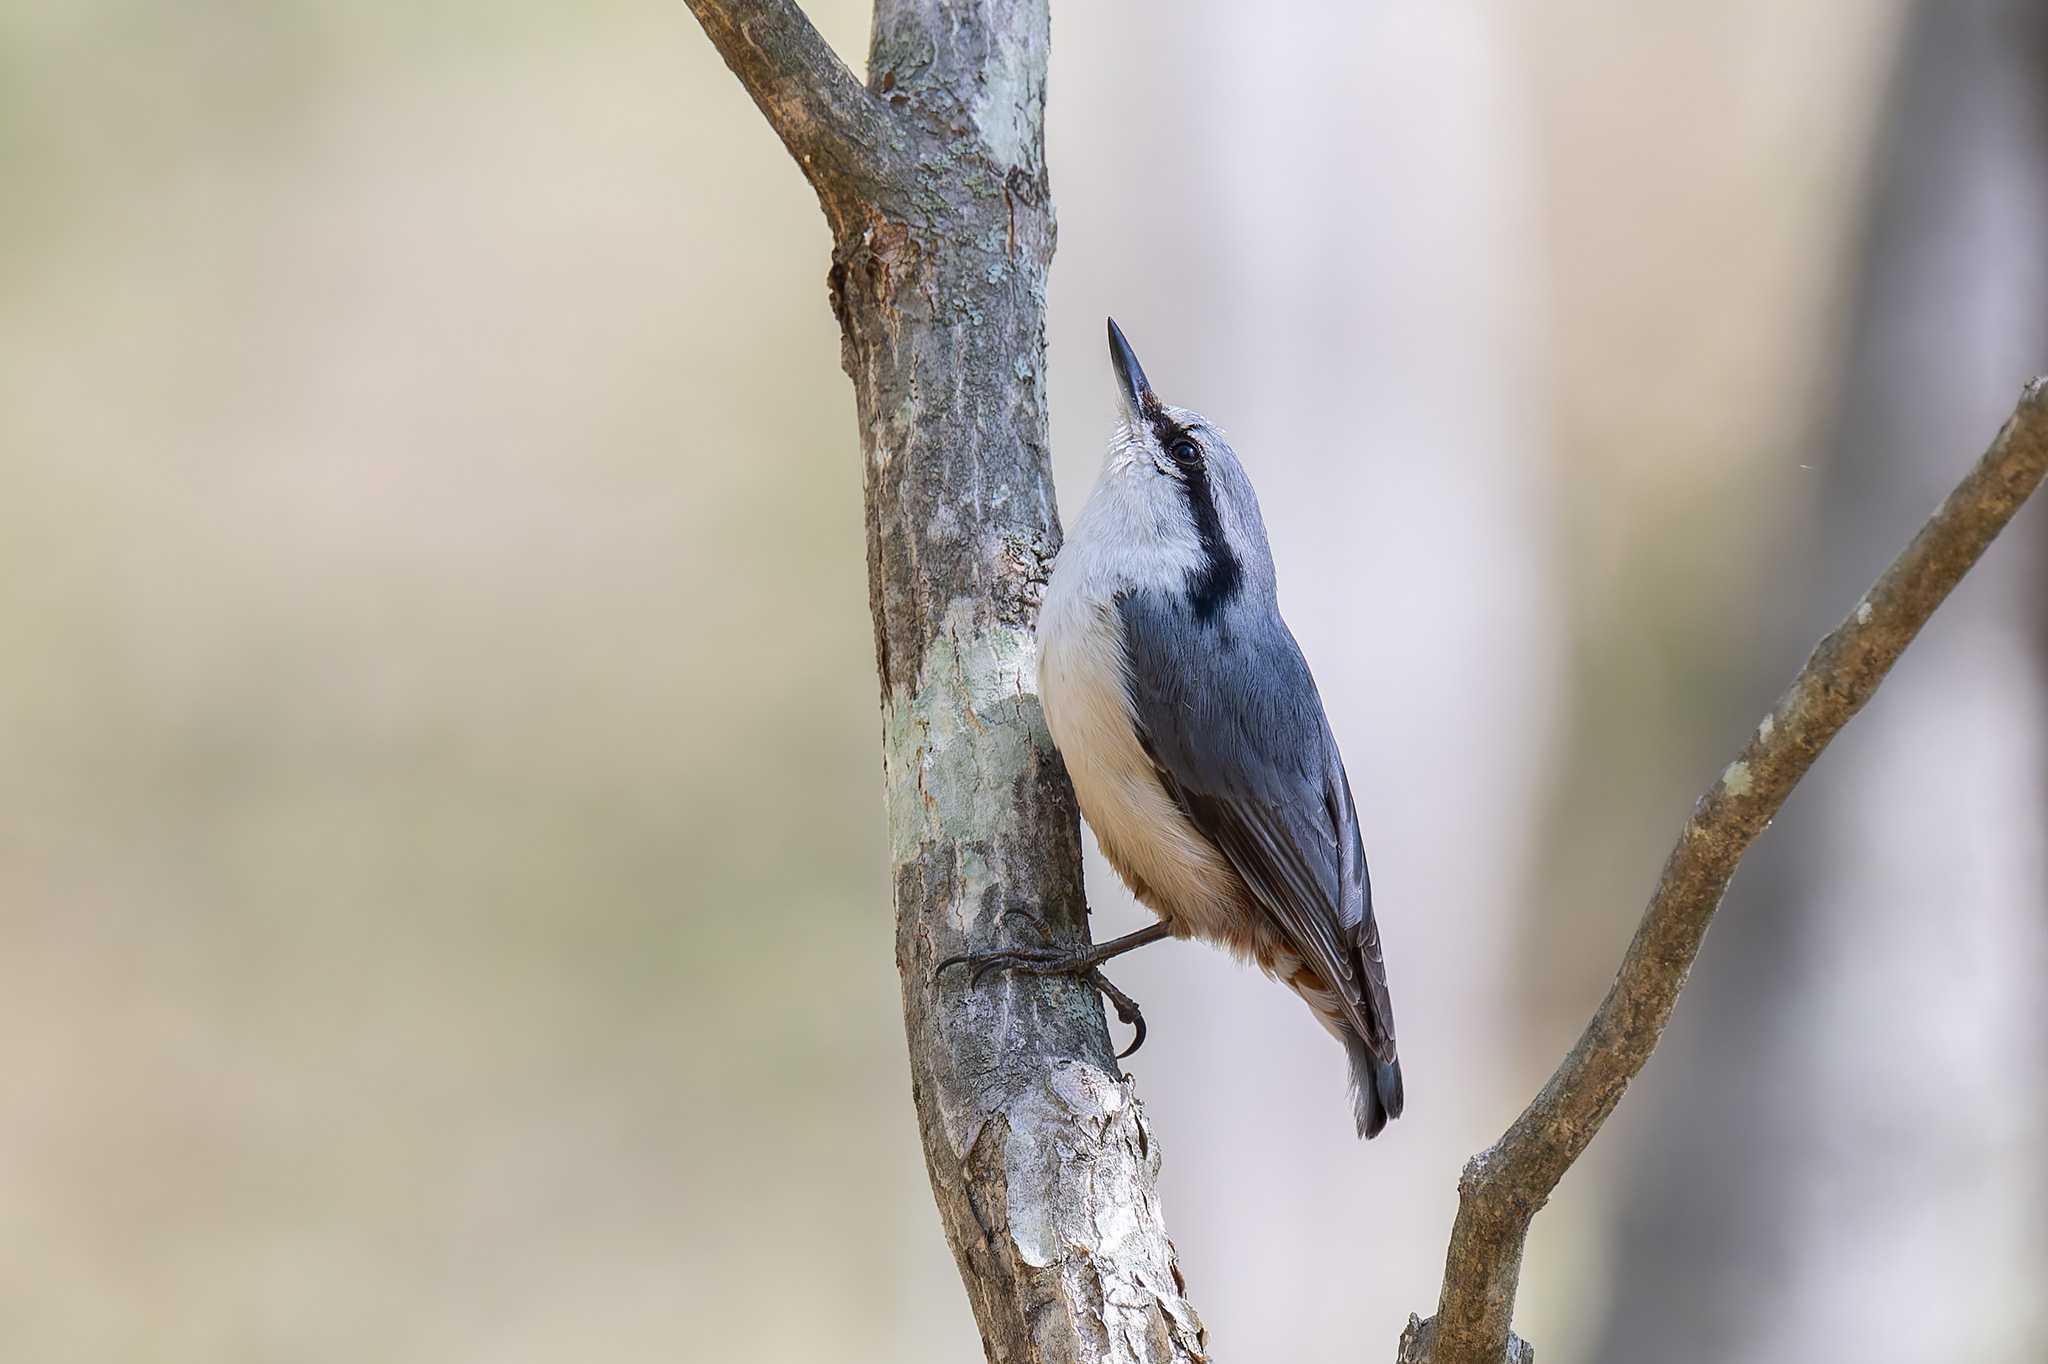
pixel 1231 717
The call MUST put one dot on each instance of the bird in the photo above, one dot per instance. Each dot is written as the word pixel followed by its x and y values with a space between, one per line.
pixel 1197 743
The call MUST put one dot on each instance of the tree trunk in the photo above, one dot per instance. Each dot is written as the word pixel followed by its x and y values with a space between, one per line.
pixel 1038 1152
pixel 933 180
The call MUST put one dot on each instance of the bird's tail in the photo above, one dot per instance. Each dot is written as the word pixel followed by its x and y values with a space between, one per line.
pixel 1376 1096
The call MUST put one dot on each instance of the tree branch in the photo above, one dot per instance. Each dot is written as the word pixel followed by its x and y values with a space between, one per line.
pixel 1503 1187
pixel 842 137
pixel 1041 1164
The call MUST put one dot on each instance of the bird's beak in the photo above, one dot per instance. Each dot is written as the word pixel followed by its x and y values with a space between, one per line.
pixel 1139 401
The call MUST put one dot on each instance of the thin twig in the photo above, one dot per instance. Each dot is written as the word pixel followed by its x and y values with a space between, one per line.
pixel 1503 1187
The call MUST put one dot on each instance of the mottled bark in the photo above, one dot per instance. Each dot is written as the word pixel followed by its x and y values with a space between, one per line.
pixel 933 179
pixel 1504 1186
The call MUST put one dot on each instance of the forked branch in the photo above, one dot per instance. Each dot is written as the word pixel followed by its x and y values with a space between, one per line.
pixel 932 178
pixel 1041 1164
pixel 840 134
pixel 1503 1186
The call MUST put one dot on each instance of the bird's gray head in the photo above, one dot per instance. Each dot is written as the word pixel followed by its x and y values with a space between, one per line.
pixel 1188 492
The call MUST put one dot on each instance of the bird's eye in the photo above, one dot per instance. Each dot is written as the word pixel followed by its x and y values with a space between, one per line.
pixel 1184 450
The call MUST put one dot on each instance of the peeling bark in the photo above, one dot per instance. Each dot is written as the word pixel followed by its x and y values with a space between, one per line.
pixel 933 180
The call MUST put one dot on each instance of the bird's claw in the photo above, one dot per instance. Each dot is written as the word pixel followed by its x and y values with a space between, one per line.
pixel 1126 1009
pixel 1042 960
pixel 1046 961
pixel 1036 961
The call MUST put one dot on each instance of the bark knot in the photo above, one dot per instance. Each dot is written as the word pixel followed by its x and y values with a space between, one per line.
pixel 871 263
pixel 1026 559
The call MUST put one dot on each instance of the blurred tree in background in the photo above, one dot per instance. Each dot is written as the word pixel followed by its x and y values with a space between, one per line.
pixel 442 887
pixel 1851 1122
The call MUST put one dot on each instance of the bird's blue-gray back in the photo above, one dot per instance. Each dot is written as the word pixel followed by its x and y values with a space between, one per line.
pixel 1229 713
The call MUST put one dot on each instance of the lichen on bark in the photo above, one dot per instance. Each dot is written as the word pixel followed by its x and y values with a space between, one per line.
pixel 932 178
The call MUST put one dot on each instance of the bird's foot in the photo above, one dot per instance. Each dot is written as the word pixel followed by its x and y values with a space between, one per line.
pixel 1083 963
pixel 1126 1009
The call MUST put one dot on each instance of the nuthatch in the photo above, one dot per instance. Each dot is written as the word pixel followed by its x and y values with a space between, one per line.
pixel 1196 739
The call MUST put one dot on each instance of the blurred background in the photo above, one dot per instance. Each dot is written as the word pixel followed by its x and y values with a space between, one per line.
pixel 443 910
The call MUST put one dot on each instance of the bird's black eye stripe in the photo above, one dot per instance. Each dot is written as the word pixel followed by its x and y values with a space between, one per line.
pixel 1217 581
pixel 1179 443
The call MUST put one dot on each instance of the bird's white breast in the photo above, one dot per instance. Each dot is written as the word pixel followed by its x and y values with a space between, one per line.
pixel 1117 543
